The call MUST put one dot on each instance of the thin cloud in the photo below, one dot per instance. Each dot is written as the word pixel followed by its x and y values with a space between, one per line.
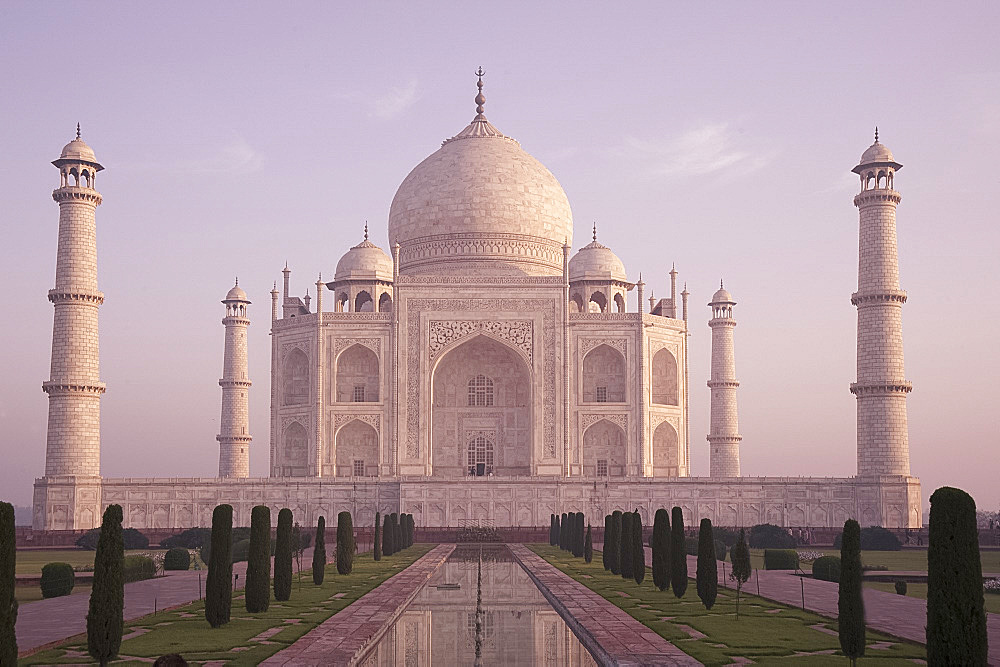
pixel 711 148
pixel 388 105
pixel 237 156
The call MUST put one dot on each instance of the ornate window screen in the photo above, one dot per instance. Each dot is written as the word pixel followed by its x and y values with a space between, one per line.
pixel 480 391
pixel 602 394
pixel 359 468
pixel 480 451
pixel 359 393
pixel 602 467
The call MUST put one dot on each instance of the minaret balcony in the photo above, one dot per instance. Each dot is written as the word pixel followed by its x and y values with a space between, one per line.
pixel 230 382
pixel 882 296
pixel 716 384
pixel 53 387
pixel 877 196
pixel 76 295
pixel 77 193
pixel 860 389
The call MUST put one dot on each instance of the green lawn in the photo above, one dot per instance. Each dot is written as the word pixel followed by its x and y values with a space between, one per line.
pixel 920 591
pixel 908 560
pixel 31 561
pixel 184 630
pixel 25 594
pixel 765 632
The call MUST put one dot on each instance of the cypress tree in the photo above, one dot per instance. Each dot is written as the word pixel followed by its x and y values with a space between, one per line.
pixel 588 547
pixel 257 592
pixel 678 553
pixel 605 561
pixel 625 547
pixel 740 555
pixel 219 585
pixel 850 606
pixel 956 622
pixel 319 553
pixel 661 549
pixel 564 531
pixel 345 543
pixel 409 530
pixel 398 525
pixel 638 552
pixel 578 535
pixel 8 603
pixel 611 543
pixel 413 530
pixel 105 619
pixel 708 567
pixel 377 542
pixel 387 535
pixel 283 556
pixel 552 528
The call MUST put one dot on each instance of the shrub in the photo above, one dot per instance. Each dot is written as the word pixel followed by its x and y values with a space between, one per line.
pixel 769 536
pixel 388 548
pixel 257 592
pixel 729 536
pixel 611 543
pixel 874 538
pixel 57 580
pixel 588 547
pixel 678 563
pixel 781 559
pixel 553 530
pixel 137 567
pixel 8 603
pixel 345 543
pixel 398 525
pixel 377 541
pixel 564 530
pixel 219 586
pixel 105 615
pixel 827 568
pixel 605 561
pixel 638 552
pixel 411 529
pixel 131 539
pixel 900 587
pixel 192 538
pixel 283 556
pixel 739 555
pixel 850 605
pixel 691 547
pixel 241 551
pixel 625 546
pixel 319 553
pixel 708 567
pixel 956 620
pixel 661 549
pixel 720 549
pixel 578 534
pixel 177 559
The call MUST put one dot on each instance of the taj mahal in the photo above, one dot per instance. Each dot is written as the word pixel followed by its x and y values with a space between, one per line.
pixel 480 370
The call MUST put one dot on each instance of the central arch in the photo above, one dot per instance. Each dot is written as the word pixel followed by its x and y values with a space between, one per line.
pixel 481 388
pixel 357 450
pixel 604 446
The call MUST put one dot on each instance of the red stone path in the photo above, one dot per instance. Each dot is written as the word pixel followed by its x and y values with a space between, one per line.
pixel 608 632
pixel 344 638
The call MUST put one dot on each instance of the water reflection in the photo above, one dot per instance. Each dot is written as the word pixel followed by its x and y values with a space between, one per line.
pixel 519 627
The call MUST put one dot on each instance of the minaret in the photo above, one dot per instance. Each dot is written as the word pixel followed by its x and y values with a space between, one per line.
pixel 234 432
pixel 73 441
pixel 724 437
pixel 883 444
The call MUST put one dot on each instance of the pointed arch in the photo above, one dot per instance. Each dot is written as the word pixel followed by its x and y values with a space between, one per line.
pixel 295 378
pixel 666 454
pixel 604 375
pixel 619 303
pixel 665 379
pixel 356 451
pixel 294 458
pixel 598 303
pixel 357 375
pixel 363 302
pixel 604 446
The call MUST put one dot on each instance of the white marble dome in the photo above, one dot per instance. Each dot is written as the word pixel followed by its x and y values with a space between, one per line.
pixel 877 153
pixel 78 150
pixel 596 262
pixel 722 296
pixel 236 294
pixel 481 204
pixel 365 261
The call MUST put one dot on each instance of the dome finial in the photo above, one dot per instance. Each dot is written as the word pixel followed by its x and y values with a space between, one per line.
pixel 720 284
pixel 78 130
pixel 595 230
pixel 237 281
pixel 876 134
pixel 480 98
pixel 366 230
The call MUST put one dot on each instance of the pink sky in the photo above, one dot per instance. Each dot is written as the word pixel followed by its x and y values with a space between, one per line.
pixel 236 137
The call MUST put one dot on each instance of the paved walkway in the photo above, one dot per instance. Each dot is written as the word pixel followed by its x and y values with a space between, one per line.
pixel 344 638
pixel 608 632
pixel 55 619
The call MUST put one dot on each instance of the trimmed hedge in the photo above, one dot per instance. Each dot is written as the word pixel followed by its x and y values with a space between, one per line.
pixel 874 538
pixel 827 568
pixel 707 574
pixel 177 559
pixel 57 580
pixel 138 568
pixel 131 538
pixel 219 583
pixel 105 611
pixel 192 538
pixel 257 592
pixel 345 542
pixel 678 563
pixel 319 553
pixel 850 603
pixel 900 586
pixel 660 543
pixel 611 543
pixel 769 536
pixel 781 559
pixel 283 556
pixel 8 603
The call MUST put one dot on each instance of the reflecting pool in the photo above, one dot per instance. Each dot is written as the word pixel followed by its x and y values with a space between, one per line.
pixel 517 625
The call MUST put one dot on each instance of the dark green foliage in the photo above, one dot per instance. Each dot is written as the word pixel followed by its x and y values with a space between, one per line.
pixel 283 556
pixel 319 553
pixel 345 542
pixel 740 557
pixel 720 550
pixel 377 541
pixel 874 538
pixel 956 622
pixel 258 586
pixel 387 534
pixel 138 568
pixel 900 586
pixel 410 530
pixel 8 603
pixel 729 536
pixel 57 580
pixel 661 549
pixel 219 585
pixel 552 530
pixel 827 568
pixel 105 619
pixel 588 547
pixel 564 531
pixel 707 576
pixel 605 560
pixel 850 606
pixel 398 525
pixel 769 536
pixel 781 559
pixel 612 543
pixel 625 546
pixel 678 562
pixel 177 558
pixel 691 547
pixel 131 538
pixel 192 538
pixel 578 534
pixel 241 551
pixel 638 552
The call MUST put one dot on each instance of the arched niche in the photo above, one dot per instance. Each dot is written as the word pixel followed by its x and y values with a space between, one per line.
pixel 666 453
pixel 357 375
pixel 295 378
pixel 619 303
pixel 505 420
pixel 576 304
pixel 598 303
pixel 363 302
pixel 665 379
pixel 604 445
pixel 294 458
pixel 385 303
pixel 604 375
pixel 357 450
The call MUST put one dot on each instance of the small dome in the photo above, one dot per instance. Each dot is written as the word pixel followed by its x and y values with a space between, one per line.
pixel 78 150
pixel 595 261
pixel 237 294
pixel 365 261
pixel 877 153
pixel 722 296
